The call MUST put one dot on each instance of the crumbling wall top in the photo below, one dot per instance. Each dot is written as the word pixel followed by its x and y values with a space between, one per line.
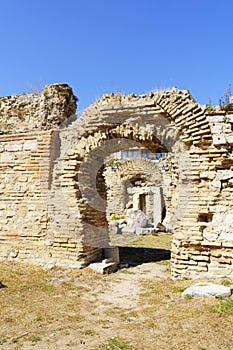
pixel 37 111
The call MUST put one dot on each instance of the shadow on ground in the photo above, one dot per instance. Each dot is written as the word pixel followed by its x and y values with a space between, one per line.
pixel 134 256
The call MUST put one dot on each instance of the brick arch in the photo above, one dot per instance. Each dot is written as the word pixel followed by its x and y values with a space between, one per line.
pixel 86 159
pixel 172 117
pixel 178 106
pixel 143 167
pixel 188 116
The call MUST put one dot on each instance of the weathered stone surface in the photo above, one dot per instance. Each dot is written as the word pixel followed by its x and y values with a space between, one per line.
pixel 104 267
pixel 135 219
pixel 53 188
pixel 140 231
pixel 206 290
pixel 112 253
pixel 37 111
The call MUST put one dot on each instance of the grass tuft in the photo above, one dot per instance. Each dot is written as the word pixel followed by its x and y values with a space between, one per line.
pixel 116 344
pixel 223 308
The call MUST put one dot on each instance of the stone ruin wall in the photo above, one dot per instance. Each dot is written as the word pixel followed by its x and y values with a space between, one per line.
pixel 28 149
pixel 120 178
pixel 208 141
pixel 37 111
pixel 25 170
pixel 122 173
pixel 33 229
pixel 203 244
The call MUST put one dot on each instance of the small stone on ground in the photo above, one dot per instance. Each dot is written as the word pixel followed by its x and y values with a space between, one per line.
pixel 206 290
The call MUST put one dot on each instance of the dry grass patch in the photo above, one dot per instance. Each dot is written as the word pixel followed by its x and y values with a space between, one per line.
pixel 36 301
pixel 73 309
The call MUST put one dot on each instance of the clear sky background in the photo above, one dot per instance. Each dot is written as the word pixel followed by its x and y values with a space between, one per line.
pixel 100 46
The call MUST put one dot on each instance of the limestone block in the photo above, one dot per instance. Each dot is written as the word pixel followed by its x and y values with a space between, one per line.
pixel 229 219
pixel 207 243
pixel 207 175
pixel 198 268
pixel 30 145
pixel 230 118
pixel 14 147
pixel 215 184
pixel 227 244
pixel 218 219
pixel 223 260
pixel 227 128
pixel 216 118
pixel 200 258
pixel 224 174
pixel 217 129
pixel 104 267
pixel 229 139
pixel 206 290
pixel 210 236
pixel 219 139
pixel 188 262
pixel 7 157
pixel 225 236
pixel 136 218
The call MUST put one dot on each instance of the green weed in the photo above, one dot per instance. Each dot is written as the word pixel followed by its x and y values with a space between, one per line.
pixel 116 344
pixel 89 332
pixel 34 338
pixel 226 282
pixel 188 297
pixel 127 272
pixel 224 307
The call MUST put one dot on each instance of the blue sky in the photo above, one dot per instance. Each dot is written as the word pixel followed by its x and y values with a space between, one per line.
pixel 117 45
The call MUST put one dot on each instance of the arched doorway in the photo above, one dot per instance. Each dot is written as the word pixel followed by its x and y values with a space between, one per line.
pixel 116 123
pixel 135 186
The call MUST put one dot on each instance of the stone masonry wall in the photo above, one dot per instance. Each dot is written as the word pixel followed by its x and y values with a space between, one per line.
pixel 29 146
pixel 206 248
pixel 25 165
pixel 203 159
pixel 52 191
pixel 120 177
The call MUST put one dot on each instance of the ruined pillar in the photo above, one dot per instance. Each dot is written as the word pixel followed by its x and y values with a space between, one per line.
pixel 158 204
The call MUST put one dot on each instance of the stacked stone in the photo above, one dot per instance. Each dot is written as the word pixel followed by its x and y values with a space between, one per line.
pixel 117 117
pixel 25 173
pixel 191 251
pixel 54 196
pixel 27 160
pixel 117 181
pixel 203 245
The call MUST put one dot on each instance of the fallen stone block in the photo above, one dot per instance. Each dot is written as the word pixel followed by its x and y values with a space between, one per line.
pixel 206 290
pixel 106 266
pixel 141 231
pixel 128 229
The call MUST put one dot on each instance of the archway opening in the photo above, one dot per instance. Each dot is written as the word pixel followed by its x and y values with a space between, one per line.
pixel 154 175
pixel 135 200
pixel 173 118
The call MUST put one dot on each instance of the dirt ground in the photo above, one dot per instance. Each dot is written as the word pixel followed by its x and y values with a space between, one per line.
pixel 139 307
